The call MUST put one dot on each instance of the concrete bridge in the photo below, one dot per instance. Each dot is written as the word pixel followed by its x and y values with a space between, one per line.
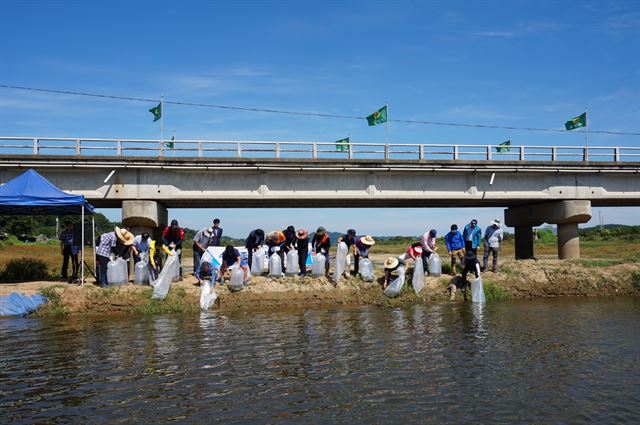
pixel 536 184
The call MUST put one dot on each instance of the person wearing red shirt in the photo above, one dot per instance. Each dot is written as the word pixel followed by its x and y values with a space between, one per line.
pixel 173 236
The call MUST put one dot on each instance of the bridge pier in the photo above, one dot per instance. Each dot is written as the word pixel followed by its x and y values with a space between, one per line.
pixel 566 214
pixel 143 216
pixel 524 242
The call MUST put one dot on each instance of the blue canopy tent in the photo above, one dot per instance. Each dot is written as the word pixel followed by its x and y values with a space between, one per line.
pixel 32 194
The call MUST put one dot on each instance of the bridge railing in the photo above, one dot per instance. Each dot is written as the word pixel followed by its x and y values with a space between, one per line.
pixel 276 149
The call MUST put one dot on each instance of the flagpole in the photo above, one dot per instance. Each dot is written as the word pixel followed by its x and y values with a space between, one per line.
pixel 586 130
pixel 386 104
pixel 161 116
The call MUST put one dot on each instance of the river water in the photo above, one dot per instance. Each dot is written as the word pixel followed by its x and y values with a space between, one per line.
pixel 542 361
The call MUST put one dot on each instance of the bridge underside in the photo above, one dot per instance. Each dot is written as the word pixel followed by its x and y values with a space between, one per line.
pixel 535 192
pixel 243 183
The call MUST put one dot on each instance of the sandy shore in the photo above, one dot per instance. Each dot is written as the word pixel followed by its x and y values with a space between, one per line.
pixel 517 279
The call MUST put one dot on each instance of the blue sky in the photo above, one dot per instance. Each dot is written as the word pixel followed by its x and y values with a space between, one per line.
pixel 529 64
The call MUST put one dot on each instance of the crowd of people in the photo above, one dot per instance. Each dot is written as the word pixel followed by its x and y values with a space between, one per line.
pixel 462 248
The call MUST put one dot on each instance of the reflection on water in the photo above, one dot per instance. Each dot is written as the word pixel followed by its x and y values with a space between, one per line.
pixel 572 361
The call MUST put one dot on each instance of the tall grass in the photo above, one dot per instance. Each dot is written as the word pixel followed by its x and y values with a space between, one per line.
pixel 493 292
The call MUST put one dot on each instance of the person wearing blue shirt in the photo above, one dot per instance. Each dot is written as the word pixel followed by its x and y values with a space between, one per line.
pixel 455 247
pixel 472 236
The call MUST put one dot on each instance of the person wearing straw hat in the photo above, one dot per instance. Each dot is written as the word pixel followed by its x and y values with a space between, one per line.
pixel 302 245
pixel 492 237
pixel 321 243
pixel 106 246
pixel 125 247
pixel 361 250
pixel 391 266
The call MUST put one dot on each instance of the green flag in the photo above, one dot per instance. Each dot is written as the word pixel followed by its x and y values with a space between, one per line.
pixel 342 145
pixel 577 122
pixel 170 144
pixel 504 147
pixel 378 117
pixel 157 112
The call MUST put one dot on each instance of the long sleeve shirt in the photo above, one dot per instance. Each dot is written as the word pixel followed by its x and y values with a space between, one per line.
pixel 320 243
pixel 217 236
pixel 428 242
pixel 454 241
pixel 152 252
pixel 253 241
pixel 492 236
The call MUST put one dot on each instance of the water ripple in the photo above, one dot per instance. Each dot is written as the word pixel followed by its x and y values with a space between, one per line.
pixel 544 361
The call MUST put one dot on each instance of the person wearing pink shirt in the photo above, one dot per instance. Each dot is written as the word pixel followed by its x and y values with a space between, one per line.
pixel 428 246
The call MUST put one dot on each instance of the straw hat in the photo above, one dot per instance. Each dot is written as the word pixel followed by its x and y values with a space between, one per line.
pixel 368 240
pixel 417 250
pixel 302 234
pixel 273 235
pixel 125 236
pixel 391 263
pixel 321 231
pixel 496 222
pixel 208 232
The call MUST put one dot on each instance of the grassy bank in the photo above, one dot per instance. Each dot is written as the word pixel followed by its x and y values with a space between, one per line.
pixel 521 279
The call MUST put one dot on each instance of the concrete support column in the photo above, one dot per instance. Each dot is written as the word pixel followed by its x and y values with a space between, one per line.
pixel 524 242
pixel 566 214
pixel 143 216
pixel 568 241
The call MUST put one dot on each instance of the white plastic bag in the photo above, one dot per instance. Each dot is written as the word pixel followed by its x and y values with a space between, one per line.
pixel 275 266
pixel 141 273
pixel 208 295
pixel 435 267
pixel 365 268
pixel 341 261
pixel 395 286
pixel 317 267
pixel 418 276
pixel 477 291
pixel 257 262
pixel 117 273
pixel 293 266
pixel 163 283
pixel 236 279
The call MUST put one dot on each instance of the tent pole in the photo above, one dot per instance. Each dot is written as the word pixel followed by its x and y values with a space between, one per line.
pixel 82 265
pixel 93 242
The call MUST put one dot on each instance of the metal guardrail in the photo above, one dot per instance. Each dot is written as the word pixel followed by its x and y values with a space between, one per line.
pixel 275 149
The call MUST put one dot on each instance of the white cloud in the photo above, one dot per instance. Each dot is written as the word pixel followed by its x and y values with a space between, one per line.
pixel 520 30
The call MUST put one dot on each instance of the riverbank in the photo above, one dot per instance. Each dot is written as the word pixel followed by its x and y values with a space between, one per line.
pixel 516 279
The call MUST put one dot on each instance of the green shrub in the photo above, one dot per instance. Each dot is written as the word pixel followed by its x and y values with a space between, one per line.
pixel 546 236
pixel 635 279
pixel 493 292
pixel 446 267
pixel 54 300
pixel 24 270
